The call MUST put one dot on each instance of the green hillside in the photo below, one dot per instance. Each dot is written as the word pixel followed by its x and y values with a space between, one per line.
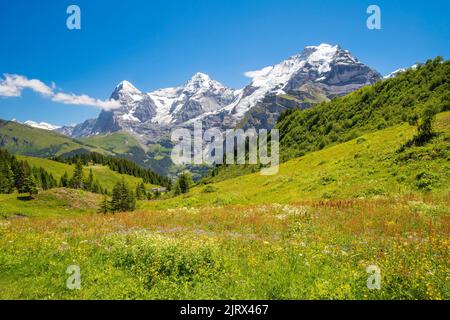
pixel 49 203
pixel 106 177
pixel 25 140
pixel 117 142
pixel 384 104
pixel 368 166
pixel 309 232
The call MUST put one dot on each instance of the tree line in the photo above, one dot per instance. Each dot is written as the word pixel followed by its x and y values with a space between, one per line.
pixel 16 175
pixel 120 165
pixel 406 98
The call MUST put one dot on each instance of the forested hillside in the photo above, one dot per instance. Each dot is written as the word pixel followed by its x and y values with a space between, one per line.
pixel 384 104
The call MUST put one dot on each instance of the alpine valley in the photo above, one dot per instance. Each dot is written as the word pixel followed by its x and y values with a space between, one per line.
pixel 317 74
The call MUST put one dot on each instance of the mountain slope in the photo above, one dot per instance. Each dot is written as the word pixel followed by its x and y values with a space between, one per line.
pixel 365 167
pixel 25 140
pixel 317 74
pixel 371 108
pixel 106 177
pixel 384 104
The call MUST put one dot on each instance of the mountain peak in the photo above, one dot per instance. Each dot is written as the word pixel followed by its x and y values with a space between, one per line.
pixel 201 81
pixel 126 86
pixel 41 125
pixel 200 76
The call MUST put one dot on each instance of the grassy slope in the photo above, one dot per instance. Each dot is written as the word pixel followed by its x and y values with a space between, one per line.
pixel 105 176
pixel 371 108
pixel 55 202
pixel 311 249
pixel 363 167
pixel 118 142
pixel 25 140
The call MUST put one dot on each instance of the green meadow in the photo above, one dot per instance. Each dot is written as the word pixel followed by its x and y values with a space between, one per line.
pixel 309 232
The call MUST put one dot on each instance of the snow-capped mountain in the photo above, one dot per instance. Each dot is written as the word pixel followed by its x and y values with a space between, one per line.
pixel 398 71
pixel 157 111
pixel 135 105
pixel 198 96
pixel 318 73
pixel 41 125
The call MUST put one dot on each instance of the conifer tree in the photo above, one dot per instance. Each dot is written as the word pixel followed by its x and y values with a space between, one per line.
pixel 21 172
pixel 123 198
pixel 30 185
pixel 104 205
pixel 183 184
pixel 77 179
pixel 90 181
pixel 141 193
pixel 6 178
pixel 64 181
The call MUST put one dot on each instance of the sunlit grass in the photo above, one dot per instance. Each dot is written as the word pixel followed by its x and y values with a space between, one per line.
pixel 308 250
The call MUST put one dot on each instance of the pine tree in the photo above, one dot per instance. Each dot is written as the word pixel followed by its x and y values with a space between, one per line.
pixel 77 179
pixel 6 178
pixel 104 205
pixel 64 181
pixel 90 181
pixel 21 171
pixel 130 201
pixel 141 193
pixel 123 198
pixel 183 184
pixel 425 128
pixel 30 185
pixel 177 189
pixel 96 188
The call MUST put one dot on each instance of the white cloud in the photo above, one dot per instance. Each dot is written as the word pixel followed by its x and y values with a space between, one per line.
pixel 258 73
pixel 69 98
pixel 13 85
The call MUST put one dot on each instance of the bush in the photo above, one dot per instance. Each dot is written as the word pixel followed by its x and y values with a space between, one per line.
pixel 425 180
pixel 209 189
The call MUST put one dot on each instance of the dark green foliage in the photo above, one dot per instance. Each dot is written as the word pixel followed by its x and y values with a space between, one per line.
pixel 64 181
pixel 89 183
pixel 30 186
pixel 104 205
pixel 141 193
pixel 209 189
pixel 76 182
pixel 97 188
pixel 425 180
pixel 44 179
pixel 123 198
pixel 120 165
pixel 15 174
pixel 21 171
pixel 371 108
pixel 425 128
pixel 6 178
pixel 183 184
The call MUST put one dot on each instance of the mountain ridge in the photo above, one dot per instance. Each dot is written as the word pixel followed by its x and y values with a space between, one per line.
pixel 324 70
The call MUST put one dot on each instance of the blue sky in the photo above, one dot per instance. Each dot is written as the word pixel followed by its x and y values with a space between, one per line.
pixel 156 44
